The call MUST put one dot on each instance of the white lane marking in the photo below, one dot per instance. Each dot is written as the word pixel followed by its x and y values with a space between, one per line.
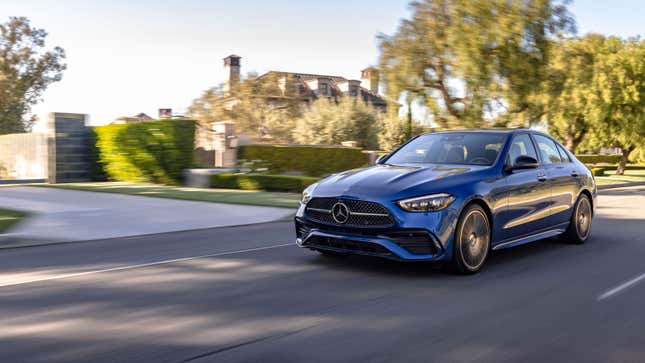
pixel 148 264
pixel 624 286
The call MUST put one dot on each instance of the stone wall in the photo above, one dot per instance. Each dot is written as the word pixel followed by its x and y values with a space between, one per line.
pixel 23 156
pixel 216 144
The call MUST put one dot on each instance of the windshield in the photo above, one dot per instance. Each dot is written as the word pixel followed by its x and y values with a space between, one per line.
pixel 464 148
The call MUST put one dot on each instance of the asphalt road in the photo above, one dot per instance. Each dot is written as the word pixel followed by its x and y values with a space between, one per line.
pixel 248 294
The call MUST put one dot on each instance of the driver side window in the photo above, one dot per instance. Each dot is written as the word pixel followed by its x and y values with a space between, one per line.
pixel 521 146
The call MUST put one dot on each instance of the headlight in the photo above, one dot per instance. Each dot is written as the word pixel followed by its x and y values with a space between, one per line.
pixel 306 194
pixel 427 203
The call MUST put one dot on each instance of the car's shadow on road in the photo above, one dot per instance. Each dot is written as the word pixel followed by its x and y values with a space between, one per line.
pixel 511 258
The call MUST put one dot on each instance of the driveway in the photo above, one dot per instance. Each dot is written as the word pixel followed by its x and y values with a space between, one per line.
pixel 68 215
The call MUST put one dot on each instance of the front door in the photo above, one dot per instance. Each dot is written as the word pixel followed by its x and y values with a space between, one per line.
pixel 528 194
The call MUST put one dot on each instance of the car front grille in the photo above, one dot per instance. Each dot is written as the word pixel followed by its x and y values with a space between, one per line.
pixel 347 245
pixel 361 213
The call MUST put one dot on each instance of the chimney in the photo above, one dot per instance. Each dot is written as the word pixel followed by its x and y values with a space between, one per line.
pixel 370 79
pixel 232 67
pixel 165 113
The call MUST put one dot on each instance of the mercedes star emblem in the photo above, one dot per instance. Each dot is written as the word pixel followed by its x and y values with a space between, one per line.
pixel 340 213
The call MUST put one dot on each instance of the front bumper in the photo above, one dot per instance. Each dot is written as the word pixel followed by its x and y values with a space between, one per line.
pixel 396 244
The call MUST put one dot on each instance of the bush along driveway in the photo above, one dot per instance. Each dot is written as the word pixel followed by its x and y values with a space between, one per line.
pixel 9 218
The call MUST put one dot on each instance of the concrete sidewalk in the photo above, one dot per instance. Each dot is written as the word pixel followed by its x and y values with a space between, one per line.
pixel 69 215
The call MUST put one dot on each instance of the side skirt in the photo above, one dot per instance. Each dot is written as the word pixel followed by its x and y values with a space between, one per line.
pixel 533 237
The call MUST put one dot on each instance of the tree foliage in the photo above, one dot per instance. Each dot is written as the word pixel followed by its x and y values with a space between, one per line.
pixel 594 96
pixel 619 98
pixel 329 121
pixel 26 69
pixel 471 60
pixel 394 131
pixel 264 107
pixel 568 91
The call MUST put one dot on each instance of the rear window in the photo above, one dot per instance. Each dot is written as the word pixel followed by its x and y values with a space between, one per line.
pixel 564 155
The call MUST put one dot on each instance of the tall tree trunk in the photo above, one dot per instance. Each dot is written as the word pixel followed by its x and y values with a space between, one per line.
pixel 571 140
pixel 624 157
pixel 408 130
pixel 568 142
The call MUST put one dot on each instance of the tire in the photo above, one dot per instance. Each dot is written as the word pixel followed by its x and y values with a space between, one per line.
pixel 580 225
pixel 472 240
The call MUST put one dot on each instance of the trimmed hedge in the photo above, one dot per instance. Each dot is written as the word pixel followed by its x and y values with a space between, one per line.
pixel 612 168
pixel 155 151
pixel 276 183
pixel 595 159
pixel 311 160
pixel 598 171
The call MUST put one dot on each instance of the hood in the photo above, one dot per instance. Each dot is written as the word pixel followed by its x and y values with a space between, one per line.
pixel 381 180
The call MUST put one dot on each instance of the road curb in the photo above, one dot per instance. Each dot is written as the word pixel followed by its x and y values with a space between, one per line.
pixel 620 185
pixel 14 241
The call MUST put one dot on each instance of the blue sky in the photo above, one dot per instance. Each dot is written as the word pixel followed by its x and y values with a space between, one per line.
pixel 130 56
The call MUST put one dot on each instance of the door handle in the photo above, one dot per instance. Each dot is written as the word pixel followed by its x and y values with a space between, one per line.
pixel 541 177
pixel 574 173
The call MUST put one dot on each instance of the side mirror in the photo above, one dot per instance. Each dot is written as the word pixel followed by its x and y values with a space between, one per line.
pixel 524 162
pixel 381 159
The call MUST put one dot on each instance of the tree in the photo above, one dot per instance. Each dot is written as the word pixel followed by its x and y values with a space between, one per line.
pixel 619 98
pixel 329 121
pixel 568 89
pixel 394 131
pixel 26 69
pixel 265 107
pixel 469 60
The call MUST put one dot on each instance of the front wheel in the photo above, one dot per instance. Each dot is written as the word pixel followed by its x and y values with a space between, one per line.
pixel 472 240
pixel 580 225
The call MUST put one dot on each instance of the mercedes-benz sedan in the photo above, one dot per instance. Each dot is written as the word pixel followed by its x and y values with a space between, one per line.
pixel 452 197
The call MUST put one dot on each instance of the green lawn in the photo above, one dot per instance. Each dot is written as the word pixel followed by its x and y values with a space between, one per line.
pixel 8 218
pixel 232 196
pixel 630 176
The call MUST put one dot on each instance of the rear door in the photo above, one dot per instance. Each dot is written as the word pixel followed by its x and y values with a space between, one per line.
pixel 528 194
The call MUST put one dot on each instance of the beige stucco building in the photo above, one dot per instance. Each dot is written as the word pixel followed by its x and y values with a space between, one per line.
pixel 309 87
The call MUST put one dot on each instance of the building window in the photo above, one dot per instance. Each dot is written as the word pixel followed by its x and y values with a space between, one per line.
pixel 324 89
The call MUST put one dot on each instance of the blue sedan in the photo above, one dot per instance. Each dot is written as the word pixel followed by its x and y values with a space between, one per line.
pixel 452 197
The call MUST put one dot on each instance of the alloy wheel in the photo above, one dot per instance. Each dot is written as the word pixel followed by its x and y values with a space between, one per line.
pixel 583 218
pixel 474 238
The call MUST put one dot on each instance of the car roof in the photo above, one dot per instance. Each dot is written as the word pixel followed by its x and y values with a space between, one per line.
pixel 492 130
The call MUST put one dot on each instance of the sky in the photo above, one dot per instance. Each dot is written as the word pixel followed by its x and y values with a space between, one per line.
pixel 131 56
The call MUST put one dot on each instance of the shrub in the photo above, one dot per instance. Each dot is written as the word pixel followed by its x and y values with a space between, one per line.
pixel 277 183
pixel 310 160
pixel 155 151
pixel 97 167
pixel 598 171
pixel 329 121
pixel 394 132
pixel 595 159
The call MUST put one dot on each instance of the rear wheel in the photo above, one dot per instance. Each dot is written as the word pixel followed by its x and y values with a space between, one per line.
pixel 580 226
pixel 472 240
